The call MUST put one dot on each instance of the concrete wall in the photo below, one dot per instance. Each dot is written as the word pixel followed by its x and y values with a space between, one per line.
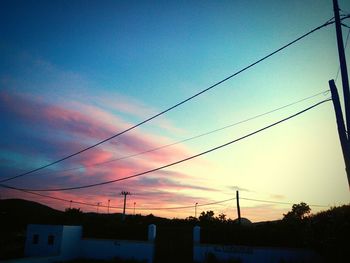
pixel 124 249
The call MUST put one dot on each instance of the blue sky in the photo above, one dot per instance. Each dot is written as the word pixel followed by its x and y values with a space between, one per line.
pixel 75 72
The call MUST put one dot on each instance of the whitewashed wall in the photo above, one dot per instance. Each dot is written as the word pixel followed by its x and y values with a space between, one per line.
pixel 68 244
pixel 247 254
pixel 42 248
pixel 124 249
pixel 252 254
pixel 71 242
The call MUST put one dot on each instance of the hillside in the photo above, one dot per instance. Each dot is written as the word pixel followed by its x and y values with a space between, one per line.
pixel 324 231
pixel 20 207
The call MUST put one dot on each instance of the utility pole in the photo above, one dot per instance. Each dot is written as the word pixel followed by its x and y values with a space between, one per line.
pixel 70 204
pixel 238 208
pixel 108 206
pixel 125 194
pixel 342 61
pixel 341 127
pixel 134 207
pixel 195 210
pixel 98 206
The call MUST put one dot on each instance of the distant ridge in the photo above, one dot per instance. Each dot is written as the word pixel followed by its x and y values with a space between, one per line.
pixel 24 211
pixel 13 205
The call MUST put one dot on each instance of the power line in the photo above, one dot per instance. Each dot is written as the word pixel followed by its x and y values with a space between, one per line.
pixel 178 104
pixel 184 140
pixel 344 25
pixel 61 199
pixel 116 207
pixel 163 208
pixel 276 202
pixel 174 163
pixel 189 206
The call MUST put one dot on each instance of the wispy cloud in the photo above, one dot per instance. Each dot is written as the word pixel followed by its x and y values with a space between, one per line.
pixel 168 183
pixel 277 196
pixel 129 106
pixel 54 131
pixel 49 113
pixel 238 188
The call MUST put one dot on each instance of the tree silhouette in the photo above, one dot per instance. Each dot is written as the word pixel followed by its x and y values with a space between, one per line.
pixel 299 212
pixel 207 216
pixel 222 217
pixel 191 219
pixel 73 211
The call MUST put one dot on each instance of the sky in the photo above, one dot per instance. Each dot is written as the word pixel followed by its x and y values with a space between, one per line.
pixel 73 73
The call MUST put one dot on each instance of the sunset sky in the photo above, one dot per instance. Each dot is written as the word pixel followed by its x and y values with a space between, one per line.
pixel 73 73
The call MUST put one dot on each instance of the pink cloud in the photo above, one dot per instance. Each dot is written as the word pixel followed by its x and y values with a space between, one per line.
pixel 133 107
pixel 147 200
pixel 170 184
pixel 127 105
pixel 56 131
pixel 91 123
pixel 93 157
pixel 38 113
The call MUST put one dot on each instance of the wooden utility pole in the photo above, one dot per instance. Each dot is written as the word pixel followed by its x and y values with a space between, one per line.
pixel 108 206
pixel 341 127
pixel 238 208
pixel 125 194
pixel 342 61
pixel 195 210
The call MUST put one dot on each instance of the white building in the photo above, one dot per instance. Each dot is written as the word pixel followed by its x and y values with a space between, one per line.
pixel 52 240
pixel 50 243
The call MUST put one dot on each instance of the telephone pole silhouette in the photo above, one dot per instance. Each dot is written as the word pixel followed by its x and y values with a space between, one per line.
pixel 342 61
pixel 341 126
pixel 238 208
pixel 125 193
pixel 343 129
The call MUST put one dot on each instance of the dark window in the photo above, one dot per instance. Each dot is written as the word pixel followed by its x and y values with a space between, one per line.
pixel 35 239
pixel 50 239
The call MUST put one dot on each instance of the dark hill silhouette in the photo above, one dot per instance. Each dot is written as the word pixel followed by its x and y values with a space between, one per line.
pixel 15 214
pixel 15 206
pixel 22 212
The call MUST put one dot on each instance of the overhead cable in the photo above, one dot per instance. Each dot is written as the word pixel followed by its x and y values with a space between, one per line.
pixel 116 207
pixel 184 140
pixel 171 164
pixel 184 207
pixel 276 202
pixel 177 104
